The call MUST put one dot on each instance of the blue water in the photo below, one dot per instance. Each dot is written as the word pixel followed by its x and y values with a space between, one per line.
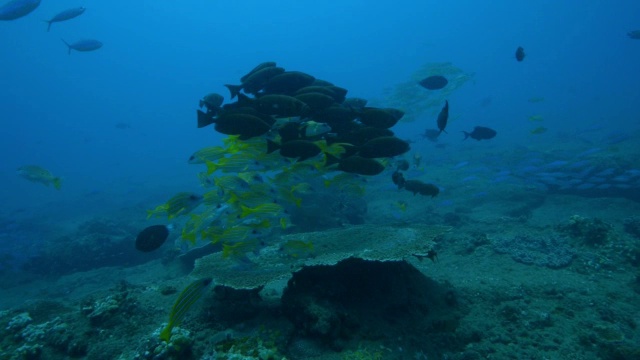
pixel 159 58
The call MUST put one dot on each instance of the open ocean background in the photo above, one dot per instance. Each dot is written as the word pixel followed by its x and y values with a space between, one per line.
pixel 159 58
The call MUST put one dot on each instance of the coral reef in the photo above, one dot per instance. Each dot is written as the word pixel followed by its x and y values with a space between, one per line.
pixel 96 243
pixel 36 340
pixel 180 347
pixel 632 225
pixel 540 250
pixel 368 242
pixel 358 300
pixel 590 231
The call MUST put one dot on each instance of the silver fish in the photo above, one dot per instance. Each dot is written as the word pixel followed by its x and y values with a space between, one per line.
pixel 15 9
pixel 84 45
pixel 65 15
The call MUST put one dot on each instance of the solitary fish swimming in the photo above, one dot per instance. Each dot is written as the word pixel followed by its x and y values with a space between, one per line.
pixel 41 175
pixel 443 117
pixel 65 15
pixel 83 45
pixel 17 8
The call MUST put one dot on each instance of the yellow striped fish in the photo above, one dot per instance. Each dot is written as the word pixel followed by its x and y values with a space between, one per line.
pixel 187 297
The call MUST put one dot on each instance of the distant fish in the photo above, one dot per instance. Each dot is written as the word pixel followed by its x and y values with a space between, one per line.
pixel 536 118
pixel 431 134
pixel 520 53
pixel 65 15
pixel 83 45
pixel 443 117
pixel 634 34
pixel 480 133
pixel 539 130
pixel 536 99
pixel 435 82
pixel 16 9
pixel 151 238
pixel 123 126
pixel 40 175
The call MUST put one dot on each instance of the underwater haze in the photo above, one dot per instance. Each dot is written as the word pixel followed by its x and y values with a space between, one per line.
pixel 520 171
pixel 60 111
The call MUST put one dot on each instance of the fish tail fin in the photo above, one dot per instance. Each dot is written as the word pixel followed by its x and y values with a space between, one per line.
pixel 272 146
pixel 48 24
pixel 329 160
pixel 57 183
pixel 466 135
pixel 66 43
pixel 165 335
pixel 211 167
pixel 233 89
pixel 204 119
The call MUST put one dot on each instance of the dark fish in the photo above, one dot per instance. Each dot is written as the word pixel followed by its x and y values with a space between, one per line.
pixel 403 165
pixel 419 187
pixel 255 81
pixel 335 114
pixel 520 53
pixel 355 103
pixel 83 45
pixel 281 105
pixel 264 65
pixel 443 117
pixel 435 82
pixel 16 9
pixel 65 15
pixel 152 238
pixel 386 146
pixel 362 135
pixel 316 101
pixel 296 131
pixel 316 89
pixel 634 34
pixel 356 165
pixel 380 118
pixel 431 134
pixel 320 82
pixel 340 93
pixel 480 133
pixel 212 102
pixel 361 166
pixel 300 149
pixel 288 82
pixel 398 179
pixel 244 125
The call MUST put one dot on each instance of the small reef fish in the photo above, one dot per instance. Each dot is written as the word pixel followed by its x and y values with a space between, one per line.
pixel 539 130
pixel 65 15
pixel 435 82
pixel 431 134
pixel 297 248
pixel 520 54
pixel 443 117
pixel 40 175
pixel 480 133
pixel 83 45
pixel 192 293
pixel 180 204
pixel 151 238
pixel 16 9
pixel 536 118
pixel 634 34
